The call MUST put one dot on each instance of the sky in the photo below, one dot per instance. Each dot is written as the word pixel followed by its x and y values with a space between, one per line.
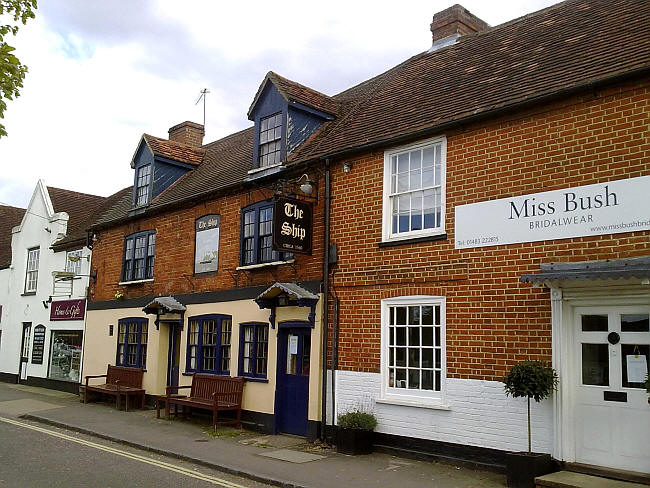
pixel 103 72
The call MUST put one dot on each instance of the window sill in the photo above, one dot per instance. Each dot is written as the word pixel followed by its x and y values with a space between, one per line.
pixel 135 282
pixel 423 403
pixel 192 373
pixel 28 294
pixel 255 380
pixel 263 168
pixel 264 265
pixel 412 240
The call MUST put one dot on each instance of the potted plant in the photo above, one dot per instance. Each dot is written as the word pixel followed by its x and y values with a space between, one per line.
pixel 536 380
pixel 354 435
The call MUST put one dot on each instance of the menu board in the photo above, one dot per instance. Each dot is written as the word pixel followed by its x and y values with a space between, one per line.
pixel 38 344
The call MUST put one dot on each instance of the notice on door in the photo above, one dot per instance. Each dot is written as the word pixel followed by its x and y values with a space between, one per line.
pixel 293 344
pixel 637 368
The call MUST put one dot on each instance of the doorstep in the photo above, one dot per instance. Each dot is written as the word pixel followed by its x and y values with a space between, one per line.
pixel 570 479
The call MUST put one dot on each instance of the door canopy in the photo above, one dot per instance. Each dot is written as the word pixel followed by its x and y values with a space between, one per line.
pixel 166 309
pixel 287 295
pixel 611 269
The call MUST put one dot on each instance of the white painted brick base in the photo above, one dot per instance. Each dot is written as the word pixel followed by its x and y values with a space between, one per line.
pixel 480 414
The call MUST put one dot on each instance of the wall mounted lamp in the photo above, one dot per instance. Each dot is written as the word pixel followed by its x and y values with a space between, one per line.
pixel 308 186
pixel 46 303
pixel 347 167
pixel 74 258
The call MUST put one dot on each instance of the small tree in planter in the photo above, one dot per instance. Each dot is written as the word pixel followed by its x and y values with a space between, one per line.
pixel 530 379
pixel 355 432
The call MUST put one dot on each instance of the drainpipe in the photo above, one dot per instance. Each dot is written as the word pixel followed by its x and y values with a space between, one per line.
pixel 326 272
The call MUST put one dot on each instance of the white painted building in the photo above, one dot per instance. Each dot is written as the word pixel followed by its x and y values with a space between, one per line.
pixel 43 290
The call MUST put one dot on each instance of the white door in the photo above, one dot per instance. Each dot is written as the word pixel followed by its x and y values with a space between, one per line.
pixel 612 414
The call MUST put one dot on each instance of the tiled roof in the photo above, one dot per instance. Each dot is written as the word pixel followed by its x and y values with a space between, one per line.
pixel 177 151
pixel 295 92
pixel 569 44
pixel 114 206
pixel 10 217
pixel 572 44
pixel 81 208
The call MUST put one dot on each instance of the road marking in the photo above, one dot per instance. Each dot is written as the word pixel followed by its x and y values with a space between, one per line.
pixel 136 457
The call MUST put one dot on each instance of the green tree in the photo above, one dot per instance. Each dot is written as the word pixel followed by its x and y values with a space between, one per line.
pixel 12 72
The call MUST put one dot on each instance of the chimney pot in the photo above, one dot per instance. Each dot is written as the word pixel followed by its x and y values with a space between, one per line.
pixel 187 132
pixel 455 20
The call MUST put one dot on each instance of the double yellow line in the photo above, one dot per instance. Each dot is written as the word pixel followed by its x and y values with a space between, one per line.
pixel 160 464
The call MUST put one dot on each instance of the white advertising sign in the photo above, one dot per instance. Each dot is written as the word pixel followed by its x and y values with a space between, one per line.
pixel 603 208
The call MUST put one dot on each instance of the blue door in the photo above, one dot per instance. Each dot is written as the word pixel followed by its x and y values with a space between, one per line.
pixel 173 354
pixel 292 392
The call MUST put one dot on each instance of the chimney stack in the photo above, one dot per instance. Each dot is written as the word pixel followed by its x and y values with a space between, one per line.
pixel 452 23
pixel 187 132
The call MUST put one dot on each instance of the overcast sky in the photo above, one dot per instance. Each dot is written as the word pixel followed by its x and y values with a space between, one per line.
pixel 102 72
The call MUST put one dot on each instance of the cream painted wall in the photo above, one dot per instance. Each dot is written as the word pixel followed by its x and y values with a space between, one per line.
pixel 258 396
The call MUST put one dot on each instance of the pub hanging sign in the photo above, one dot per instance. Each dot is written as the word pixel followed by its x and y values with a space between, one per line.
pixel 292 225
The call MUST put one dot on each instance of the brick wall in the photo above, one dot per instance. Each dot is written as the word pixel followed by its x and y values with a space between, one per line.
pixel 174 264
pixel 493 320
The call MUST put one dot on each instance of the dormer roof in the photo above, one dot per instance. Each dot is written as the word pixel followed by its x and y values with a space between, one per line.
pixel 176 151
pixel 295 93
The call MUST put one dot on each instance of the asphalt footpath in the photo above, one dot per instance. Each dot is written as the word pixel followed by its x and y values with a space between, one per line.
pixel 280 460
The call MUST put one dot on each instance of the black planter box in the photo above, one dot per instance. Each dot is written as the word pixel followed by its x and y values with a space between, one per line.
pixel 354 441
pixel 522 468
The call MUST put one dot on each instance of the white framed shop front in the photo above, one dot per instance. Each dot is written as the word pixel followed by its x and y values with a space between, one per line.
pixel 600 336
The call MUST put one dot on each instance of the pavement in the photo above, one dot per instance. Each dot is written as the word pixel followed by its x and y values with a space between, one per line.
pixel 279 460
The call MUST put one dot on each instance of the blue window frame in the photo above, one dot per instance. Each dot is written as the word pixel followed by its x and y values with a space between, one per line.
pixel 257 235
pixel 208 344
pixel 142 185
pixel 139 256
pixel 253 349
pixel 270 148
pixel 132 337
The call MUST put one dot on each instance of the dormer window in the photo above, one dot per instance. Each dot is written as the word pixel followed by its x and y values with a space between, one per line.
pixel 270 140
pixel 142 185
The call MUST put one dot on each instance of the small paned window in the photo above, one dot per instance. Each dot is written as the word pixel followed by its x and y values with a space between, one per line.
pixel 142 185
pixel 253 349
pixel 270 140
pixel 414 347
pixel 132 337
pixel 73 262
pixel 257 236
pixel 208 344
pixel 414 190
pixel 31 276
pixel 139 256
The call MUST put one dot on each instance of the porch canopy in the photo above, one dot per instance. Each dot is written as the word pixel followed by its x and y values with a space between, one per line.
pixel 611 269
pixel 169 307
pixel 287 295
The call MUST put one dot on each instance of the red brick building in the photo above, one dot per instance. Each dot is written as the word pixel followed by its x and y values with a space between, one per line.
pixel 488 204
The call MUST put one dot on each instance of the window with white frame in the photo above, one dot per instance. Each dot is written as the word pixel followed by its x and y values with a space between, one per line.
pixel 73 261
pixel 413 348
pixel 414 190
pixel 31 276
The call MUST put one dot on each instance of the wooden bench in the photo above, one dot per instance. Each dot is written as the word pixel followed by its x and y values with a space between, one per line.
pixel 119 381
pixel 207 392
